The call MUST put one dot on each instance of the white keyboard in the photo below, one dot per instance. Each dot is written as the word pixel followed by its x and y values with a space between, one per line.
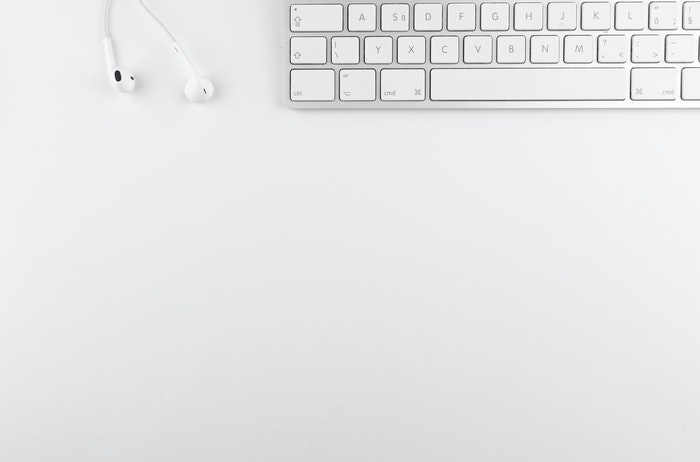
pixel 483 54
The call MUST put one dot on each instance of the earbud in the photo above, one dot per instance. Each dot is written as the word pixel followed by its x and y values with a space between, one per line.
pixel 121 78
pixel 199 89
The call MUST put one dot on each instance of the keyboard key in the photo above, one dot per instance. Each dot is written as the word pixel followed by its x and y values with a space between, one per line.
pixel 613 49
pixel 358 85
pixel 403 85
pixel 544 49
pixel 646 48
pixel 313 85
pixel 461 17
pixel 529 84
pixel 630 16
pixel 395 18
pixel 428 17
pixel 578 49
pixel 444 50
pixel 691 84
pixel 595 16
pixel 308 50
pixel 379 50
pixel 478 50
pixel 681 49
pixel 654 84
pixel 345 50
pixel 411 50
pixel 561 16
pixel 317 18
pixel 362 18
pixel 495 16
pixel 663 16
pixel 510 49
pixel 691 15
pixel 528 16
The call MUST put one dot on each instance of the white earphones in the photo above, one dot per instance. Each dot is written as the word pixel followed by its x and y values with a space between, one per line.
pixel 122 79
pixel 198 89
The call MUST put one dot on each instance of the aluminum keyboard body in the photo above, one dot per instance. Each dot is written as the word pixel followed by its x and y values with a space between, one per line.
pixel 491 54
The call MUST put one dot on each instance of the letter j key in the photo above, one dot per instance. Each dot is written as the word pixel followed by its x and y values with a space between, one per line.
pixel 562 16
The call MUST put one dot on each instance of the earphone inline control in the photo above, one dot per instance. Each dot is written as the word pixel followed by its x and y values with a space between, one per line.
pixel 198 88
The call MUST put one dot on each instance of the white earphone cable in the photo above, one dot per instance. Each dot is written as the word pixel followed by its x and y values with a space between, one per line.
pixel 158 21
pixel 108 9
pixel 108 12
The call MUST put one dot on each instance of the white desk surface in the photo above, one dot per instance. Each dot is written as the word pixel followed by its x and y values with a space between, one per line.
pixel 241 282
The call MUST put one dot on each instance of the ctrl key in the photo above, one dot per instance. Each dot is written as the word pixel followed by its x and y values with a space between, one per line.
pixel 691 84
pixel 312 85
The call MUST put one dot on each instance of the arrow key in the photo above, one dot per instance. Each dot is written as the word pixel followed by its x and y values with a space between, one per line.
pixel 308 50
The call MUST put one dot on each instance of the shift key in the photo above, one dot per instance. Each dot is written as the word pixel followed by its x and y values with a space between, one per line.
pixel 316 18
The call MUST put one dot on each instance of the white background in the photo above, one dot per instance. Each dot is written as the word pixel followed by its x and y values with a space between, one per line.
pixel 242 282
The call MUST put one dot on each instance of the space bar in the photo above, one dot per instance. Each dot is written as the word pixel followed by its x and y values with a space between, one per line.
pixel 530 84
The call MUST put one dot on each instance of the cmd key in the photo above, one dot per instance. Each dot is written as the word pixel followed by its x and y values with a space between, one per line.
pixel 654 84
